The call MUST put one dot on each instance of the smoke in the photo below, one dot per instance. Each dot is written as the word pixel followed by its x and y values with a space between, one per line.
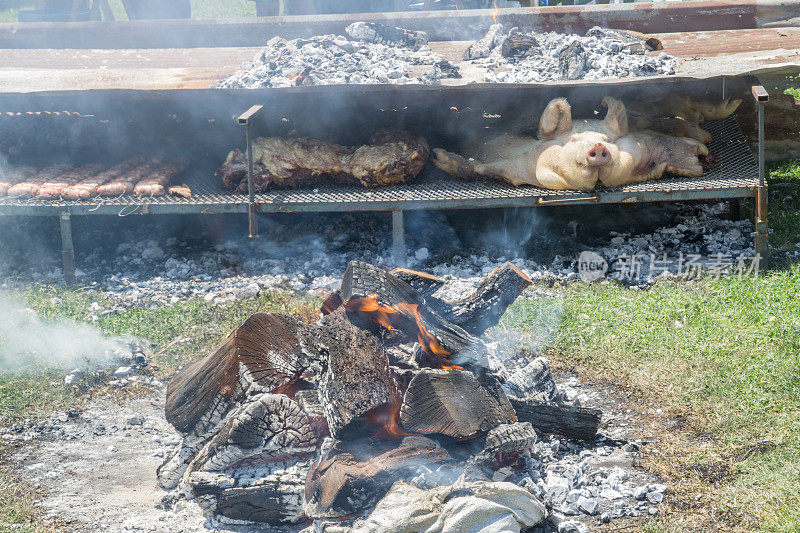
pixel 27 339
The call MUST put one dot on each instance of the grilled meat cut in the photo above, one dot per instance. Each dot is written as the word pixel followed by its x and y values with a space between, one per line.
pixel 156 183
pixel 53 189
pixel 391 157
pixel 126 182
pixel 30 187
pixel 14 176
pixel 87 188
pixel 180 191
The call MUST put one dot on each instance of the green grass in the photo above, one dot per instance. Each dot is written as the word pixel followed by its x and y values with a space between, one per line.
pixel 724 355
pixel 201 9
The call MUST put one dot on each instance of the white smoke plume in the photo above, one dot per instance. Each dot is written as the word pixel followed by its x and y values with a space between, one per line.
pixel 27 339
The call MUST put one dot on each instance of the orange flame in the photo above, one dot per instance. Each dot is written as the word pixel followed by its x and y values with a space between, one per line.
pixel 495 12
pixel 390 316
pixel 387 418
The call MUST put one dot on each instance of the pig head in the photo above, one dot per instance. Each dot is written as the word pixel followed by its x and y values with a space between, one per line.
pixel 568 155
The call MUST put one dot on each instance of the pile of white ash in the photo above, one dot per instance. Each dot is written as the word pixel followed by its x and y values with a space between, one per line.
pixel 517 56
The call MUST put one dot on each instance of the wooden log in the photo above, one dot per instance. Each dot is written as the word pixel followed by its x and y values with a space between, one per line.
pixel 486 305
pixel 358 378
pixel 506 438
pixel 274 496
pixel 354 475
pixel 425 284
pixel 565 420
pixel 452 403
pixel 264 351
pixel 269 428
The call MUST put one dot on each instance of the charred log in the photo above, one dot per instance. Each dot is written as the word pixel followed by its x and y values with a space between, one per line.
pixel 263 354
pixel 271 427
pixel 486 305
pixel 358 378
pixel 452 403
pixel 275 496
pixel 424 284
pixel 510 438
pixel 353 476
pixel 566 420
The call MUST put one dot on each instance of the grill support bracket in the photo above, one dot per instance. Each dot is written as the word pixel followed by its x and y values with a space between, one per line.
pixel 67 248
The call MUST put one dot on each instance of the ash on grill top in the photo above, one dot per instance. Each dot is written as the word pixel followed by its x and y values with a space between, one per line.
pixel 372 54
pixel 516 56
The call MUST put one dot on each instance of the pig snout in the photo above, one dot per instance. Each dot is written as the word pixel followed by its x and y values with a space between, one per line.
pixel 598 155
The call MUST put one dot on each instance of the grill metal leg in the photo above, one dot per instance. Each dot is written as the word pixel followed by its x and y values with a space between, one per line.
pixel 399 238
pixel 762 229
pixel 67 250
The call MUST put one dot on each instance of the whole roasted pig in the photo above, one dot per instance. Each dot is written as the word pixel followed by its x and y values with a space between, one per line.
pixel 577 154
pixel 390 157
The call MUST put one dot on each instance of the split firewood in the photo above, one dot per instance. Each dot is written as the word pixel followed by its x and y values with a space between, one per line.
pixel 274 497
pixel 358 378
pixel 354 475
pixel 272 427
pixel 374 296
pixel 264 353
pixel 569 421
pixel 518 43
pixel 452 403
pixel 506 438
pixel 424 284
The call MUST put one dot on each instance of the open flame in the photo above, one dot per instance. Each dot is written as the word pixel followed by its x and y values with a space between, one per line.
pixel 495 12
pixel 387 418
pixel 390 317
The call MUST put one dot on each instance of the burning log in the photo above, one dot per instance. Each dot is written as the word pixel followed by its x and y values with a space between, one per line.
pixel 354 475
pixel 566 420
pixel 518 43
pixel 358 378
pixel 453 403
pixel 374 297
pixel 374 32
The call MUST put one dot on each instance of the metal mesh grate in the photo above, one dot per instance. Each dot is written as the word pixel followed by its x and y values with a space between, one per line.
pixel 736 173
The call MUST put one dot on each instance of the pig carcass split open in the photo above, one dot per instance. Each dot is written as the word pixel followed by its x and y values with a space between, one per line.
pixel 576 154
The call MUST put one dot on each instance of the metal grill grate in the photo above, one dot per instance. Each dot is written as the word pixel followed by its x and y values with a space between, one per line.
pixel 736 175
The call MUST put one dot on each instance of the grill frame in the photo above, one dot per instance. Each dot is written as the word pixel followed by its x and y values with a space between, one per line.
pixel 736 176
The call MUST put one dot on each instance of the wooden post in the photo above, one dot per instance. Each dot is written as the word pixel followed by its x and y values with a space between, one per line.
pixel 762 230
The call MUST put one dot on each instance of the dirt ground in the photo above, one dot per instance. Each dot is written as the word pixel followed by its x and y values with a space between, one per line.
pixel 97 472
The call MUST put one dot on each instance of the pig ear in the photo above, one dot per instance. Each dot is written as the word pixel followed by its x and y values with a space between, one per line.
pixel 616 121
pixel 556 119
